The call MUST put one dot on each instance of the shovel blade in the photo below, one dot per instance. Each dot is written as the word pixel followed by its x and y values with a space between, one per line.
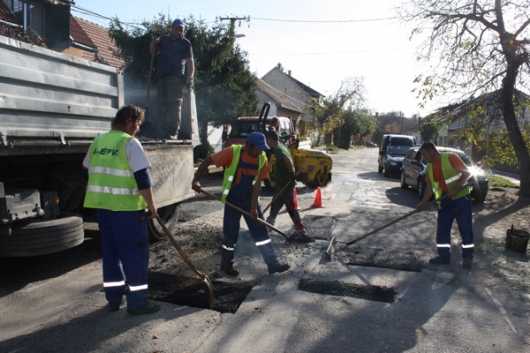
pixel 331 248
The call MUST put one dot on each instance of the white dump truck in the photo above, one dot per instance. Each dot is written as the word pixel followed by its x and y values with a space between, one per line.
pixel 52 106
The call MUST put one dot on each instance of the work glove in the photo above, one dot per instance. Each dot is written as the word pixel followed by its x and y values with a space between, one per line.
pixel 189 83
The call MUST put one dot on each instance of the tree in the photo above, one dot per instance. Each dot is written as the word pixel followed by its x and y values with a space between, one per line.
pixel 429 130
pixel 328 115
pixel 482 46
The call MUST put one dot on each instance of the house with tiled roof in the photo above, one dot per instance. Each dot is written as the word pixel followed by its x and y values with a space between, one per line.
pixel 281 104
pixel 299 93
pixel 61 31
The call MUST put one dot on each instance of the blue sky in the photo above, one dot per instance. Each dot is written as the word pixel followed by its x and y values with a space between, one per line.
pixel 321 42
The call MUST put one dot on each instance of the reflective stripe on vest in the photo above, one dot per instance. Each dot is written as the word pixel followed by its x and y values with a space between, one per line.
pixel 111 183
pixel 451 177
pixel 231 171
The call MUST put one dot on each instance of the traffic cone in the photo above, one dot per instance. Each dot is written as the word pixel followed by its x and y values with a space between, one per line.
pixel 318 199
pixel 295 199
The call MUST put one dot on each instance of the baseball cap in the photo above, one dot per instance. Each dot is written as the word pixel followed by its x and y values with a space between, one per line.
pixel 178 23
pixel 258 140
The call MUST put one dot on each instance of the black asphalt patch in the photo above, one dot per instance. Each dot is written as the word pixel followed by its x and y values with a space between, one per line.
pixel 378 257
pixel 192 292
pixel 339 289
pixel 319 227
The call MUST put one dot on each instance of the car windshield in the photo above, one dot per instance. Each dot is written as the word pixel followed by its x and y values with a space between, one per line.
pixel 398 150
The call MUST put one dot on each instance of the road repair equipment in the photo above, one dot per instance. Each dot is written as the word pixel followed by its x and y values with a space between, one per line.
pixel 330 251
pixel 205 278
pixel 259 220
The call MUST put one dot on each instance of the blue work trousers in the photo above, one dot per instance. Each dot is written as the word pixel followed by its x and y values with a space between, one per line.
pixel 459 209
pixel 240 196
pixel 125 244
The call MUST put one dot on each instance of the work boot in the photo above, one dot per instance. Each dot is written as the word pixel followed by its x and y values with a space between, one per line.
pixel 230 271
pixel 279 268
pixel 438 260
pixel 227 263
pixel 116 307
pixel 150 307
pixel 468 262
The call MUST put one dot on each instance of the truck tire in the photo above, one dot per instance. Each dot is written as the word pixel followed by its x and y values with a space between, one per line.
pixel 170 216
pixel 43 236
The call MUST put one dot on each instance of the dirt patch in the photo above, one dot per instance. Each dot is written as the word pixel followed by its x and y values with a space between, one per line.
pixel 191 292
pixel 336 288
pixel 379 257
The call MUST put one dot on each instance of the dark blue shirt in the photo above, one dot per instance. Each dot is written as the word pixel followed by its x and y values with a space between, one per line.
pixel 173 55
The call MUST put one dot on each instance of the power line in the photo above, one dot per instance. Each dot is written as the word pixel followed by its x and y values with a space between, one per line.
pixel 325 21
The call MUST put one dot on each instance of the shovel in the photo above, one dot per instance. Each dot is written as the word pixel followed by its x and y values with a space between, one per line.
pixel 259 220
pixel 330 251
pixel 205 278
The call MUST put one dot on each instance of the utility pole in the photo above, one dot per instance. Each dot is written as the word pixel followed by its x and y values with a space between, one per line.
pixel 233 23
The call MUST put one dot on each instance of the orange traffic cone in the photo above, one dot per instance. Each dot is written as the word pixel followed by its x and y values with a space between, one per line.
pixel 318 199
pixel 295 199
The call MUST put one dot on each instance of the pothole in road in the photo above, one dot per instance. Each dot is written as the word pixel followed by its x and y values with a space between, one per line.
pixel 191 292
pixel 379 257
pixel 339 289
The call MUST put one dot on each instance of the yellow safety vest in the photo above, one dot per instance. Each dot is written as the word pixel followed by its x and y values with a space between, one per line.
pixel 231 171
pixel 451 177
pixel 111 183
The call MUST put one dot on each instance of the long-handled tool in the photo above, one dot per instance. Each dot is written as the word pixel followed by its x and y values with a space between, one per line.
pixel 205 278
pixel 149 79
pixel 259 220
pixel 330 251
pixel 279 194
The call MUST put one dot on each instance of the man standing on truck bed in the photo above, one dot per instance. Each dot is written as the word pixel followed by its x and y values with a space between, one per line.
pixel 119 187
pixel 284 175
pixel 175 60
pixel 246 167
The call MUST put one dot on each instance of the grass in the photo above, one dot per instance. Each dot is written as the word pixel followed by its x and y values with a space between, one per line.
pixel 332 148
pixel 500 182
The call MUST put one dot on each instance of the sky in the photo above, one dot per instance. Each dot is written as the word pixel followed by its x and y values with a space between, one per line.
pixel 322 43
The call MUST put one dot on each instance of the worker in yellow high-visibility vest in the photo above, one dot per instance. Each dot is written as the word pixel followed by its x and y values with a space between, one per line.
pixel 119 187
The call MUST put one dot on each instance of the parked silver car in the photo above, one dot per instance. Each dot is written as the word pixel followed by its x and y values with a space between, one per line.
pixel 414 169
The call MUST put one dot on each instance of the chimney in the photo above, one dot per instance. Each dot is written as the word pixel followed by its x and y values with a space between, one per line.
pixel 280 67
pixel 289 72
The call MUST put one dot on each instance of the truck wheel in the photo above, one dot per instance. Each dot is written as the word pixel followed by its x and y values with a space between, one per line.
pixel 43 237
pixel 170 216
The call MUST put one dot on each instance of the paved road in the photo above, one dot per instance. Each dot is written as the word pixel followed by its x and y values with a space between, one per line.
pixel 444 309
